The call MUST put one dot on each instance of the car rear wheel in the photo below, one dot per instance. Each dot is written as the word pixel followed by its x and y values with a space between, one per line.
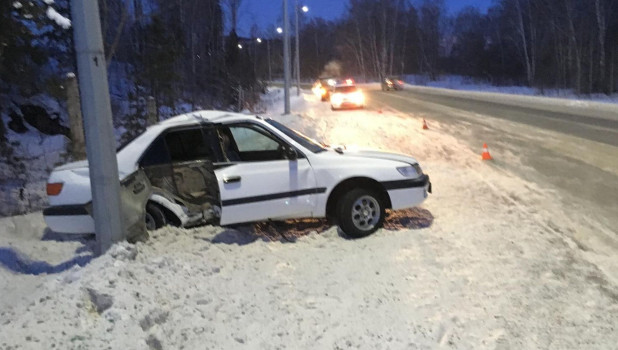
pixel 361 212
pixel 155 218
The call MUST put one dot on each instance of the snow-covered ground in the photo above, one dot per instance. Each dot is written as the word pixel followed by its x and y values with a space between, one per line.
pixel 33 155
pixel 484 263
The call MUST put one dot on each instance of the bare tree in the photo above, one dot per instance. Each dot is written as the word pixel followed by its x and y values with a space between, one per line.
pixel 233 7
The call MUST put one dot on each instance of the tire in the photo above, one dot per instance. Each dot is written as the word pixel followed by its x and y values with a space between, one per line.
pixel 360 212
pixel 155 218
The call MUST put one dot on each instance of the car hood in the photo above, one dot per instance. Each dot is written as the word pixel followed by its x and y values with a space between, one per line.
pixel 368 153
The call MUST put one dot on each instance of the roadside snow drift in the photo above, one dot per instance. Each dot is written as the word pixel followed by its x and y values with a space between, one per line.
pixel 483 264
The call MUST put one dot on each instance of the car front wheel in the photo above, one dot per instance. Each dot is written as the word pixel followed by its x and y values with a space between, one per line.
pixel 360 213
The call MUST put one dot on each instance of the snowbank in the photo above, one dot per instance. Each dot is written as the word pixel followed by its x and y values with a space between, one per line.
pixel 478 266
pixel 460 83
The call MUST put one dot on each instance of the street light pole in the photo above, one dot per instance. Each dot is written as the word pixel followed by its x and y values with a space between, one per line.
pixel 296 9
pixel 270 75
pixel 286 57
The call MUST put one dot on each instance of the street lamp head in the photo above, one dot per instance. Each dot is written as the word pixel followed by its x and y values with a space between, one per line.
pixel 305 9
pixel 239 46
pixel 259 40
pixel 279 30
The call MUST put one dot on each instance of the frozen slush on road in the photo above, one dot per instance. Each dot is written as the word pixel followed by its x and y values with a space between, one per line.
pixel 226 168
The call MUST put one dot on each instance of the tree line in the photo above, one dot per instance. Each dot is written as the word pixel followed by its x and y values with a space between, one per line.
pixel 540 43
pixel 172 50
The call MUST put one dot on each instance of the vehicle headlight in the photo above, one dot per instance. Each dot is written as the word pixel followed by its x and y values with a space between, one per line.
pixel 358 98
pixel 413 170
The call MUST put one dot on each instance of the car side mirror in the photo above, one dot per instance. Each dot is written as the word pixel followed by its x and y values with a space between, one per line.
pixel 290 153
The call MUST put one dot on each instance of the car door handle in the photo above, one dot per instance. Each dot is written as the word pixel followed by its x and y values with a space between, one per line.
pixel 231 179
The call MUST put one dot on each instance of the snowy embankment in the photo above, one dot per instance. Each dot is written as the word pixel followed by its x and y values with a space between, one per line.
pixel 460 83
pixel 482 264
pixel 30 153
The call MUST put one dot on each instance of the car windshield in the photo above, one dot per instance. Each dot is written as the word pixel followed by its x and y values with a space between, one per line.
pixel 346 89
pixel 303 140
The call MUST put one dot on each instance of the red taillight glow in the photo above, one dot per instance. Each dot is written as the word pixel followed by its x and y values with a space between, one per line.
pixel 54 189
pixel 400 82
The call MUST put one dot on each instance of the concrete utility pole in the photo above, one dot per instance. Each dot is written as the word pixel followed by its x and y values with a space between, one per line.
pixel 151 109
pixel 296 10
pixel 74 109
pixel 100 141
pixel 286 58
pixel 270 72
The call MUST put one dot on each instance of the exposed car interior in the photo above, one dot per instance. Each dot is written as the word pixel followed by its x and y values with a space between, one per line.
pixel 180 163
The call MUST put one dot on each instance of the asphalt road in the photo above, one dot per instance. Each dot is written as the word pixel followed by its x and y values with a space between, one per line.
pixel 581 123
pixel 570 150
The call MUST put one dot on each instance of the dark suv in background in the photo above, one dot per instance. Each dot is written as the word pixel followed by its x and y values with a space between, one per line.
pixel 392 83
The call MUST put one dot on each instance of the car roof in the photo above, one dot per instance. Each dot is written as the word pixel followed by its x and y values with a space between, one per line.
pixel 129 155
pixel 204 116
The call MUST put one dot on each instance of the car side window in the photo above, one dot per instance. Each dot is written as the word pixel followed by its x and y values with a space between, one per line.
pixel 255 144
pixel 156 154
pixel 250 140
pixel 177 146
pixel 187 145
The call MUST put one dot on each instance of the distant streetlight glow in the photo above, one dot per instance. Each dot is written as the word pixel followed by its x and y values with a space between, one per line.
pixel 305 8
pixel 279 30
pixel 239 46
pixel 259 40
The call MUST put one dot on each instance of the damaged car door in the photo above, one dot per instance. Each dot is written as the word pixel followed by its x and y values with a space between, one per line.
pixel 179 165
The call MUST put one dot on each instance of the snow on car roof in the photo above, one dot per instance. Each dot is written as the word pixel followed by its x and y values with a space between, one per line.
pixel 129 155
pixel 203 116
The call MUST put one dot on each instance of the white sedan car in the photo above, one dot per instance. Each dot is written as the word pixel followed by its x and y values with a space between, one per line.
pixel 227 168
pixel 346 96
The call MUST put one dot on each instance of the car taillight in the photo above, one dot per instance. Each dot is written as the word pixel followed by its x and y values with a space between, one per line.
pixel 400 82
pixel 54 189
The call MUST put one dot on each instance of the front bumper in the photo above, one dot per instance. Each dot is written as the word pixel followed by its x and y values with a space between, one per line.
pixel 347 104
pixel 408 193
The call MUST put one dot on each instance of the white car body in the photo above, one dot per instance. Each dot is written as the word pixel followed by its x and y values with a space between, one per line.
pixel 249 190
pixel 346 96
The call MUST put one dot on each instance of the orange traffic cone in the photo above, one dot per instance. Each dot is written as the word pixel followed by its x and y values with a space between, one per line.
pixel 486 155
pixel 425 127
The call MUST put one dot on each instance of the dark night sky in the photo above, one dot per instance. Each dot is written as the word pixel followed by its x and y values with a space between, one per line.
pixel 266 14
